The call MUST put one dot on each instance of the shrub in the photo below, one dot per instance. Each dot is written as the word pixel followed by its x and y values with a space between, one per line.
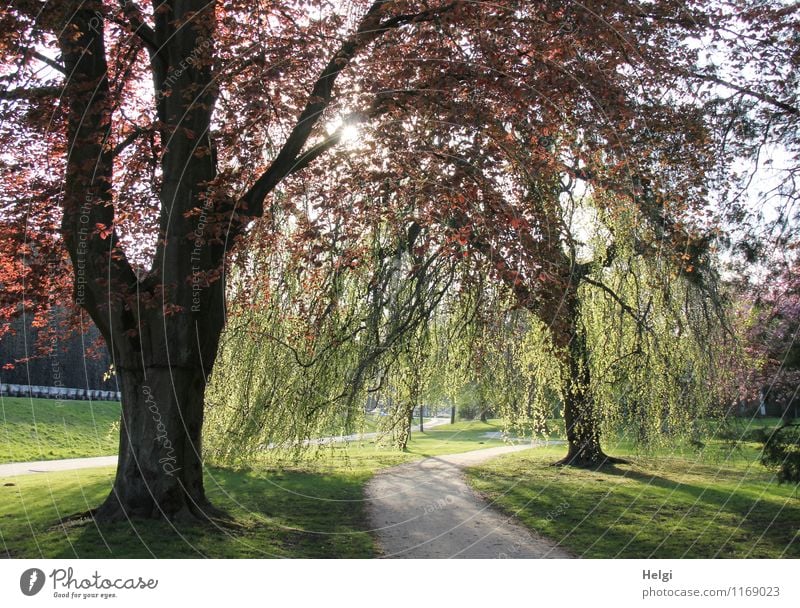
pixel 782 451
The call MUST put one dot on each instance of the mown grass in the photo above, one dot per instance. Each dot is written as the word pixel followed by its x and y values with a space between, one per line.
pixel 290 514
pixel 674 502
pixel 718 502
pixel 312 508
pixel 48 429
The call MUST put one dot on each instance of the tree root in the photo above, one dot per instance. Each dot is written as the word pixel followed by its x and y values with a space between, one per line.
pixel 581 462
pixel 197 513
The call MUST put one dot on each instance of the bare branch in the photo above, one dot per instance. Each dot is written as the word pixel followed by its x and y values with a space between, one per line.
pixel 45 59
pixel 765 97
pixel 18 93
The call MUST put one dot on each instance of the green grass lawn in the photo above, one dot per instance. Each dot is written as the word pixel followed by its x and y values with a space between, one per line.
pixel 47 429
pixel 280 514
pixel 666 504
pixel 312 508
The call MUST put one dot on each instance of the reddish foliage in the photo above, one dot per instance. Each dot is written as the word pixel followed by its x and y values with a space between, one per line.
pixel 470 116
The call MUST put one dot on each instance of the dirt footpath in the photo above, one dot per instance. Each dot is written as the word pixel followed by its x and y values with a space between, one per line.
pixel 426 509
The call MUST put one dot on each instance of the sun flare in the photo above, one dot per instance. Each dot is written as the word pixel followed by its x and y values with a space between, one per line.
pixel 350 134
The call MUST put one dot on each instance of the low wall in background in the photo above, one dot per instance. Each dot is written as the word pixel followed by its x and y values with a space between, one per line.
pixel 57 392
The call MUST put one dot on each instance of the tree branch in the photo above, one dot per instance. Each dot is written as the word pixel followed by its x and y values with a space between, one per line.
pixel 18 93
pixel 310 155
pixel 100 266
pixel 46 60
pixel 129 139
pixel 136 25
pixel 321 96
pixel 765 97
pixel 616 298
pixel 304 159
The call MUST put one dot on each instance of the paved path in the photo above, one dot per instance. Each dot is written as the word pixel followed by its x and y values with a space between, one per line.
pixel 425 509
pixel 68 464
pixel 47 466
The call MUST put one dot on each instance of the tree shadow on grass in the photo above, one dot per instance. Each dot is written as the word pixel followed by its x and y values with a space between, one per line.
pixel 278 514
pixel 617 511
pixel 766 518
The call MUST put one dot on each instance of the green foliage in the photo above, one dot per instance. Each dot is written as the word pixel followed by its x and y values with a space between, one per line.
pixel 655 340
pixel 653 365
pixel 407 384
pixel 304 356
pixel 438 363
pixel 492 363
pixel 396 332
pixel 283 377
pixel 781 451
pixel 468 402
pixel 530 387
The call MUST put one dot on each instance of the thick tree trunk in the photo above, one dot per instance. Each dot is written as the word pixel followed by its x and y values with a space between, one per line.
pixel 163 381
pixel 580 422
pixel 162 327
pixel 580 417
pixel 160 470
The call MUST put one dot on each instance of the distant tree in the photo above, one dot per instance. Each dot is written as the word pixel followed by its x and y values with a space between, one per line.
pixel 774 337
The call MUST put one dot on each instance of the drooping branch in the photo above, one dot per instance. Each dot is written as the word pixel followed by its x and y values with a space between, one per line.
pixel 615 297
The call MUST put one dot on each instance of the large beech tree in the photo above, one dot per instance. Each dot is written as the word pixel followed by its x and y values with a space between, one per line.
pixel 143 140
pixel 162 320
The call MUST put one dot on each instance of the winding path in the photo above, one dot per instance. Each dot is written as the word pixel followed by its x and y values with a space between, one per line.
pixel 425 509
